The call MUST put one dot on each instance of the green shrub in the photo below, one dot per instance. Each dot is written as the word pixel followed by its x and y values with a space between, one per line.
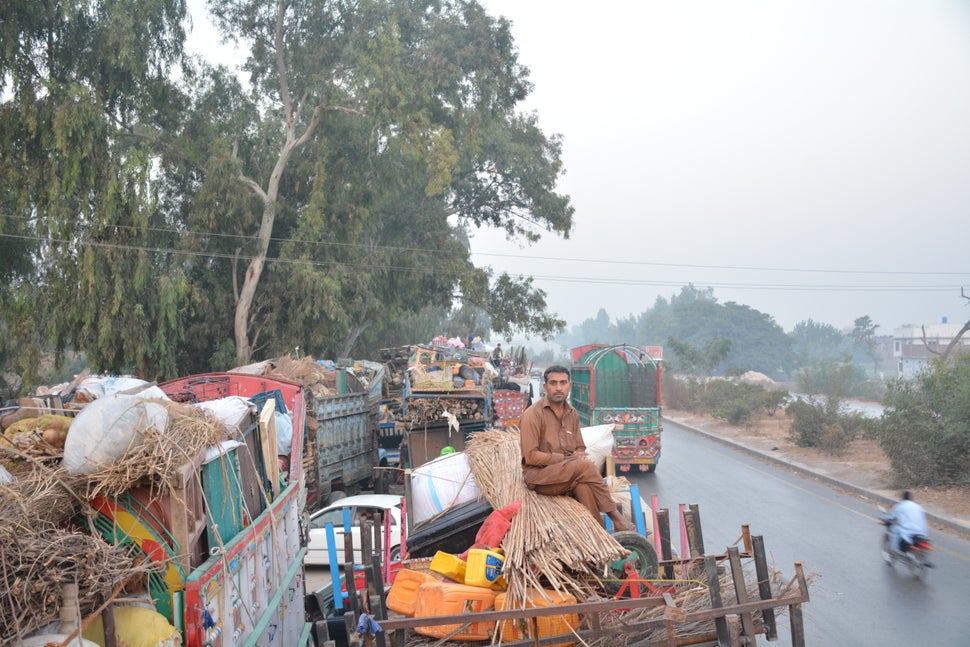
pixel 925 429
pixel 822 425
pixel 733 402
pixel 834 438
pixel 808 419
pixel 774 399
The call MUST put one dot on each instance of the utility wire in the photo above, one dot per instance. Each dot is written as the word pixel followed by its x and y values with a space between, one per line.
pixel 536 277
pixel 242 238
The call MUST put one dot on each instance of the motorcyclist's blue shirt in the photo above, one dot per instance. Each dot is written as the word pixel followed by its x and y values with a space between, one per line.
pixel 910 519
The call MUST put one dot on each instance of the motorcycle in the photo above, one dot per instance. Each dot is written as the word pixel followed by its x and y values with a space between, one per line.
pixel 914 555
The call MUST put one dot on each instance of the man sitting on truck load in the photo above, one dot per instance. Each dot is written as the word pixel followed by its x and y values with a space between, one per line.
pixel 554 459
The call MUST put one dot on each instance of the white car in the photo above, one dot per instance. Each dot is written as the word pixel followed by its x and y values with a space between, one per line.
pixel 359 507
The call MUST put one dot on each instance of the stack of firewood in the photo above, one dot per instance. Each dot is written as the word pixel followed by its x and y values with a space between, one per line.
pixel 424 411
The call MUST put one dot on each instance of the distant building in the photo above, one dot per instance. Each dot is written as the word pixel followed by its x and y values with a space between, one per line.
pixel 912 354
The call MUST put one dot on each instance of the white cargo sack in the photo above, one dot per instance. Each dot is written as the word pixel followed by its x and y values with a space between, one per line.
pixel 106 429
pixel 441 484
pixel 234 411
pixel 599 443
pixel 284 433
pixel 99 386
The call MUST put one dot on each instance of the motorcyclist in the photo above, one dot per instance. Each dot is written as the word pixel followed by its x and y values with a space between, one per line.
pixel 908 519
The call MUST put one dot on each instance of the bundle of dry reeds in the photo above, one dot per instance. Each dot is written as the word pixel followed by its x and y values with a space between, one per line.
pixel 40 496
pixel 554 542
pixel 35 563
pixel 189 431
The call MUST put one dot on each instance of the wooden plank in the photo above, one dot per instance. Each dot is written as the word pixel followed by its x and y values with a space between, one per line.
pixel 764 585
pixel 740 589
pixel 797 626
pixel 663 531
pixel 379 593
pixel 695 537
pixel 366 539
pixel 267 427
pixel 714 588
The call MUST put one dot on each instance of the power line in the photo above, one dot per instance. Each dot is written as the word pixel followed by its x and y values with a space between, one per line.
pixel 571 260
pixel 535 277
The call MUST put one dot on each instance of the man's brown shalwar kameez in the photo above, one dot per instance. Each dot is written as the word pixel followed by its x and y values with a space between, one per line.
pixel 548 463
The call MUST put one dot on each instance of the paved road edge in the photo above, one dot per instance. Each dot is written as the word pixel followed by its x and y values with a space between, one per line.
pixel 949 524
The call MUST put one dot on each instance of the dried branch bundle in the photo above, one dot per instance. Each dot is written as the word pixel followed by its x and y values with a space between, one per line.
pixel 554 542
pixel 40 496
pixel 305 371
pixel 33 566
pixel 427 411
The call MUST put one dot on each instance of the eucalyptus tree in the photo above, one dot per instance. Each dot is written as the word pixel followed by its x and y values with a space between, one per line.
pixel 372 134
pixel 85 87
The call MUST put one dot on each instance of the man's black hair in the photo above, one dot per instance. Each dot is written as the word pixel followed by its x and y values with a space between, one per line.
pixel 906 495
pixel 556 368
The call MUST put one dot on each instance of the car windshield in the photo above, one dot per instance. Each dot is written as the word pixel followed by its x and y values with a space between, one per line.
pixel 372 513
pixel 335 517
pixel 357 515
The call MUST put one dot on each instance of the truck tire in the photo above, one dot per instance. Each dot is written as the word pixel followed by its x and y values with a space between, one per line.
pixel 642 556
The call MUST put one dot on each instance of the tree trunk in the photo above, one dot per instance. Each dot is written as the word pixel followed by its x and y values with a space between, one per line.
pixel 351 339
pixel 293 110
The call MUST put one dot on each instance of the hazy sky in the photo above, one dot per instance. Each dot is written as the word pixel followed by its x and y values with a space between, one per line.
pixel 809 159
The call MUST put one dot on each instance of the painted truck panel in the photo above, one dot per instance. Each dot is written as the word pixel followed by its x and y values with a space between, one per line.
pixel 621 385
pixel 251 589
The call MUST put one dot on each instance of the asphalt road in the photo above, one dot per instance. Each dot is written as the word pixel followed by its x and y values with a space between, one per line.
pixel 857 600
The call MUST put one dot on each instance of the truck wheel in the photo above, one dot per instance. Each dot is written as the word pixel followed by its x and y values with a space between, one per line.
pixel 642 556
pixel 651 468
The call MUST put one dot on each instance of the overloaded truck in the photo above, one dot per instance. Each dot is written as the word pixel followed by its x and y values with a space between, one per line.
pixel 343 448
pixel 436 396
pixel 195 487
pixel 621 385
pixel 243 518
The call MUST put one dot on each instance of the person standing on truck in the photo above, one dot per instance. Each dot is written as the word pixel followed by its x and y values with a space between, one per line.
pixel 554 458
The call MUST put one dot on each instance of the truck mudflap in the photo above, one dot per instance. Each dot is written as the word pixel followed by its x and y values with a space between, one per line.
pixel 250 592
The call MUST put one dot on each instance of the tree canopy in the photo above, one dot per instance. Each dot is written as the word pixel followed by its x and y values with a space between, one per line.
pixel 701 334
pixel 171 218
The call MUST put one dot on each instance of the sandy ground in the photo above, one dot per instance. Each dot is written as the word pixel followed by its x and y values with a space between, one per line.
pixel 864 464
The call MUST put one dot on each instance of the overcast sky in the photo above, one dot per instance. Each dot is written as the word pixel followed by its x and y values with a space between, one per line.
pixel 808 159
